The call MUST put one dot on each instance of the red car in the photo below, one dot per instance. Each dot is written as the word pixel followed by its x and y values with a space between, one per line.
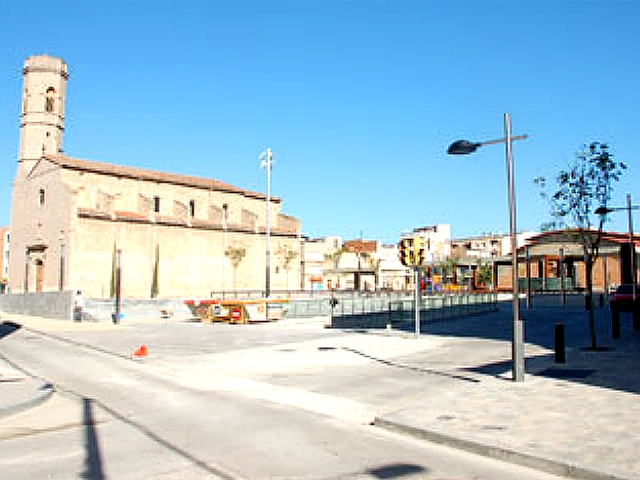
pixel 622 299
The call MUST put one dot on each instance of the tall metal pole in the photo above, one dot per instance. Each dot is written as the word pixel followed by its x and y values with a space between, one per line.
pixel 517 346
pixel 62 262
pixel 528 266
pixel 26 270
pixel 116 315
pixel 632 246
pixel 267 158
pixel 225 211
pixel 561 267
pixel 416 277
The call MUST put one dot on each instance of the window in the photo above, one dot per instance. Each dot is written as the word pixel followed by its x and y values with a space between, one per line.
pixel 156 204
pixel 41 197
pixel 225 214
pixel 49 100
pixel 192 208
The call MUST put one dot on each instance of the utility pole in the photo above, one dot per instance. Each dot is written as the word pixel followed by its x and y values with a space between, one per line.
pixel 266 160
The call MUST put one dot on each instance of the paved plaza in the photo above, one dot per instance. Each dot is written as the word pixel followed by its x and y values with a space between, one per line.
pixel 452 385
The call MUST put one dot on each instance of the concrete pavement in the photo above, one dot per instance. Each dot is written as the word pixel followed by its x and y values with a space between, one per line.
pixel 19 391
pixel 579 419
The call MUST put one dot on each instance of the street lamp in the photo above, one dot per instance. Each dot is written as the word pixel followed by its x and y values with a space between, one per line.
pixel 266 159
pixel 464 147
pixel 602 211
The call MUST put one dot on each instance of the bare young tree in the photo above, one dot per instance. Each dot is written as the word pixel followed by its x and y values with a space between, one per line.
pixel 286 255
pixel 585 186
pixel 235 253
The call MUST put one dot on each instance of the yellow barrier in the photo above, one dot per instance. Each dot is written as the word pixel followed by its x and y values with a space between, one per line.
pixel 239 311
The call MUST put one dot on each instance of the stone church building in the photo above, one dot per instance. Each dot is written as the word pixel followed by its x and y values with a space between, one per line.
pixel 73 220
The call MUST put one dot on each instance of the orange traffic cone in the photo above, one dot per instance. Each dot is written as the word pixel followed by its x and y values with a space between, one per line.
pixel 141 352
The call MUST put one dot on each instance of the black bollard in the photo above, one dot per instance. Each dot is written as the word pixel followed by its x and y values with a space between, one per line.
pixel 615 323
pixel 601 300
pixel 636 318
pixel 588 305
pixel 559 342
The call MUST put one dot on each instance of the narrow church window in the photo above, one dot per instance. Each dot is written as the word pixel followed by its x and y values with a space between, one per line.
pixel 49 100
pixel 192 208
pixel 225 214
pixel 41 197
pixel 156 204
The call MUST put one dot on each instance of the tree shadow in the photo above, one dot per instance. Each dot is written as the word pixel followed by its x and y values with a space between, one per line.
pixel 396 470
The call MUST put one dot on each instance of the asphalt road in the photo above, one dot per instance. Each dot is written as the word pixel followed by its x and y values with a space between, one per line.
pixel 260 401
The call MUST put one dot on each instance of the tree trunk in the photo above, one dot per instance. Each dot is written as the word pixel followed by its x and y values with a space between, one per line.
pixel 589 299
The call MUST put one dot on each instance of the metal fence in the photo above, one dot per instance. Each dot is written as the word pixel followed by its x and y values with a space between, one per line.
pixel 399 306
pixel 443 307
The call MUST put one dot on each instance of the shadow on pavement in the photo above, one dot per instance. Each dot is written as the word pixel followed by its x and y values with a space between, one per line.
pixel 93 459
pixel 212 470
pixel 396 470
pixel 7 328
pixel 613 365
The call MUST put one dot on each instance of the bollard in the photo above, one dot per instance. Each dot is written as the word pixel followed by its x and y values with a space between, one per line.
pixel 601 300
pixel 615 324
pixel 636 318
pixel 588 305
pixel 559 344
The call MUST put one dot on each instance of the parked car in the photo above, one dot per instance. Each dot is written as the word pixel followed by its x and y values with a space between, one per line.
pixel 622 299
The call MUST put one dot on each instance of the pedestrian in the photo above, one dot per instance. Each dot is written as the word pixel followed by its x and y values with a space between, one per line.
pixel 78 306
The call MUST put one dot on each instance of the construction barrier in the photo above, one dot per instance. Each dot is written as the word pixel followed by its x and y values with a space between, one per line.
pixel 238 311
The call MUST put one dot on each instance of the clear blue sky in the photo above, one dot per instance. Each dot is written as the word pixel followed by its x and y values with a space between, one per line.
pixel 357 99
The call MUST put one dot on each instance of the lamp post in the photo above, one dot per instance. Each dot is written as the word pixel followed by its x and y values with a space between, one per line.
pixel 464 147
pixel 266 159
pixel 118 302
pixel 602 211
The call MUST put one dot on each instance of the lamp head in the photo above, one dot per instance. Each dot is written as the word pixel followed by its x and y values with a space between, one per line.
pixel 462 147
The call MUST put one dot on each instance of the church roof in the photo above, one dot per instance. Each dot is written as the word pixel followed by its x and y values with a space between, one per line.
pixel 152 175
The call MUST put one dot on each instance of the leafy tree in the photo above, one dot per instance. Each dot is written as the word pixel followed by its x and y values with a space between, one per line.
pixel 334 257
pixel 235 253
pixel 585 186
pixel 485 274
pixel 287 256
pixel 375 264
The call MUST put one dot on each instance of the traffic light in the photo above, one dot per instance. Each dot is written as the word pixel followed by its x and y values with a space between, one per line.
pixel 418 248
pixel 404 252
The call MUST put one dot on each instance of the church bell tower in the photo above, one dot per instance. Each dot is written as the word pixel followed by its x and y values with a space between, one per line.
pixel 42 119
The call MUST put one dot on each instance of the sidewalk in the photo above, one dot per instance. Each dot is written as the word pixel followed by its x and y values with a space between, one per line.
pixel 579 419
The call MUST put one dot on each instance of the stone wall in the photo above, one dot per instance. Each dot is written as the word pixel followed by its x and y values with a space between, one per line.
pixel 47 304
pixel 59 305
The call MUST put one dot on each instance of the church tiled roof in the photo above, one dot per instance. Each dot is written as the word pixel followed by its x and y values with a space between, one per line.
pixel 152 175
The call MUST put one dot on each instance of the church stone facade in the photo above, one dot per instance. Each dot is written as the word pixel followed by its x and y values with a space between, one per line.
pixel 72 219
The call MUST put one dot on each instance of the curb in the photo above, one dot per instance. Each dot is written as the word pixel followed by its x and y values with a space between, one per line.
pixel 43 393
pixel 555 467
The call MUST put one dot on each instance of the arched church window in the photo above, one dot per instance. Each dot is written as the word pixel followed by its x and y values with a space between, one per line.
pixel 49 100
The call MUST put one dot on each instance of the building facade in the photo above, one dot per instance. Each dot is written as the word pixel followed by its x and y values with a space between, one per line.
pixel 437 241
pixel 73 221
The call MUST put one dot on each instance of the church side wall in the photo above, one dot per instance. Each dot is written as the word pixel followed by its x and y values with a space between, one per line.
pixel 191 261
